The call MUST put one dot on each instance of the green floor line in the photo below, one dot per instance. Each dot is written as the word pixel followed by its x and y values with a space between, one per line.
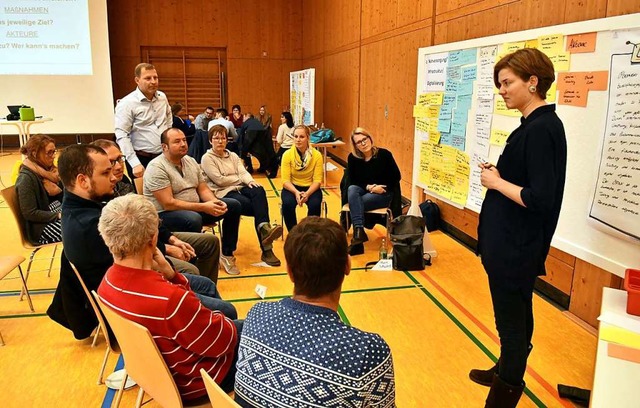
pixel 252 276
pixel 18 316
pixel 343 316
pixel 378 289
pixel 273 187
pixel 348 292
pixel 468 333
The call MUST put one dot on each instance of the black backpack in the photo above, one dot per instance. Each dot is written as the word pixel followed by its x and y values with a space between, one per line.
pixel 431 214
pixel 407 232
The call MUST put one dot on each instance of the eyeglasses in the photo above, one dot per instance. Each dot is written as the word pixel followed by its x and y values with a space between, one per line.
pixel 119 159
pixel 51 153
pixel 362 142
pixel 219 139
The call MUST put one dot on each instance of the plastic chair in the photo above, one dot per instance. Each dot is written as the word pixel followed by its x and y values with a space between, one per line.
pixel 8 264
pixel 143 360
pixel 11 199
pixel 111 347
pixel 219 398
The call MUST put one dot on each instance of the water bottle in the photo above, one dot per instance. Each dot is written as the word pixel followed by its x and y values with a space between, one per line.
pixel 383 249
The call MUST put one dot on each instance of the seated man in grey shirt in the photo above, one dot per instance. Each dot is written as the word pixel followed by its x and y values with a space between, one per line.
pixel 174 183
pixel 203 119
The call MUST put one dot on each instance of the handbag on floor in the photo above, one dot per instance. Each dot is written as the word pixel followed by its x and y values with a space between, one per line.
pixel 407 232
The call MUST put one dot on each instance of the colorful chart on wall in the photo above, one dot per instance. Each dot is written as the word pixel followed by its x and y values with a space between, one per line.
pixel 302 95
pixel 461 121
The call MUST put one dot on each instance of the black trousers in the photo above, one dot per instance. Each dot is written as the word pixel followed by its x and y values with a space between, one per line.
pixel 513 312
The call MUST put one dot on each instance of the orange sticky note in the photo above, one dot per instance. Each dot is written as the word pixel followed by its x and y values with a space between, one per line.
pixel 623 352
pixel 567 79
pixel 596 81
pixel 573 96
pixel 582 42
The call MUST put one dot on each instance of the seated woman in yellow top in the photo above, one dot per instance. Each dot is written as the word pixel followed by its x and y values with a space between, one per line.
pixel 301 177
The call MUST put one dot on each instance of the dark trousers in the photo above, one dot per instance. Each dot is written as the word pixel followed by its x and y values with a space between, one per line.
pixel 253 201
pixel 513 311
pixel 289 204
pixel 191 221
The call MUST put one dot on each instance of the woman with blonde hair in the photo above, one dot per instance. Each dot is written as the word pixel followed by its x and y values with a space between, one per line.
pixel 301 177
pixel 39 191
pixel 372 174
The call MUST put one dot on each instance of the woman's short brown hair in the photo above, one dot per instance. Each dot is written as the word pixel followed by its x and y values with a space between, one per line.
pixel 35 145
pixel 526 63
pixel 217 130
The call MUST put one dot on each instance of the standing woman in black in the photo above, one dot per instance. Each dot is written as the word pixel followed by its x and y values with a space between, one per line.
pixel 519 215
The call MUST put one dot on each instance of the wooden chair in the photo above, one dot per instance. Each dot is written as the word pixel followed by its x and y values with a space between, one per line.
pixel 11 198
pixel 111 347
pixel 7 264
pixel 138 182
pixel 219 398
pixel 386 212
pixel 143 360
pixel 324 212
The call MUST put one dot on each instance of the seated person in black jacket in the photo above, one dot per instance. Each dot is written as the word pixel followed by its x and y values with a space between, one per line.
pixel 187 126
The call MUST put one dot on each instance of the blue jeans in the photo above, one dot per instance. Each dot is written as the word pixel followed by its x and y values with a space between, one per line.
pixel 360 201
pixel 289 204
pixel 207 292
pixel 191 221
pixel 513 311
pixel 253 201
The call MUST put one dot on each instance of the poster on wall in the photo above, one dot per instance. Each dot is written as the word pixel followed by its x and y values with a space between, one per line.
pixel 302 96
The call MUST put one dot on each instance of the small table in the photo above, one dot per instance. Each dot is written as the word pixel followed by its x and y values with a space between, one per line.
pixel 324 147
pixel 24 127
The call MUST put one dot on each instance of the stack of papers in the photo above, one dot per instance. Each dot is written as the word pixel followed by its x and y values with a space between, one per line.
pixel 621 330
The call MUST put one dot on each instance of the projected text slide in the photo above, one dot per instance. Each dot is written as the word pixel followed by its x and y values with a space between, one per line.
pixel 45 37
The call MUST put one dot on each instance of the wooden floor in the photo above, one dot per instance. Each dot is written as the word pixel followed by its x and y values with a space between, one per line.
pixel 439 324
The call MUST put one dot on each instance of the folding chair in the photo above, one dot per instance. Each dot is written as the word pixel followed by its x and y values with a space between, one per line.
pixel 8 264
pixel 219 398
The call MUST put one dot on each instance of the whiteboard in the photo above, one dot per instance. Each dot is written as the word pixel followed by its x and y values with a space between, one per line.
pixel 448 167
pixel 302 90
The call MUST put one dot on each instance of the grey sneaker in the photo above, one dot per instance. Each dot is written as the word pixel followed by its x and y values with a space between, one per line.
pixel 270 258
pixel 269 233
pixel 229 265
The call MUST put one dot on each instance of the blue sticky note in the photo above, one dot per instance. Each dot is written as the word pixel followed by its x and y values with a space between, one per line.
pixel 445 138
pixel 463 102
pixel 469 73
pixel 460 115
pixel 453 73
pixel 444 125
pixel 465 88
pixel 459 128
pixel 445 112
pixel 458 142
pixel 451 86
pixel 467 57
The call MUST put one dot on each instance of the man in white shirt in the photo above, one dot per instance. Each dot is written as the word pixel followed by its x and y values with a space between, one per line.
pixel 140 119
pixel 221 119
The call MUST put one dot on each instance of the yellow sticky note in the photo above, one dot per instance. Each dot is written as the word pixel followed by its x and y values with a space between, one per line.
pixel 619 335
pixel 423 99
pixel 498 137
pixel 434 137
pixel 551 44
pixel 460 190
pixel 433 111
pixel 500 108
pixel 551 93
pixel 561 61
pixel 422 124
pixel 419 111
pixel 433 125
pixel 531 43
pixel 434 98
pixel 508 48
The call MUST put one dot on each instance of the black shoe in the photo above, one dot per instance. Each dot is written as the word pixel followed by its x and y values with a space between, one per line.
pixel 357 249
pixel 359 236
pixel 484 377
pixel 503 395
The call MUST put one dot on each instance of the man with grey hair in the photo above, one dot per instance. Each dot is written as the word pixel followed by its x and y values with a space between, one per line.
pixel 140 118
pixel 142 287
pixel 190 252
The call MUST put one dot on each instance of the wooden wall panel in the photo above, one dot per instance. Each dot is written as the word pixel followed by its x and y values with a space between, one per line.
pixel 247 29
pixel 313 29
pixel 482 24
pixel 586 291
pixel 618 7
pixel 413 11
pixel 378 16
pixel 318 64
pixel 559 274
pixel 526 14
pixel 341 77
pixel 341 24
pixel 580 10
